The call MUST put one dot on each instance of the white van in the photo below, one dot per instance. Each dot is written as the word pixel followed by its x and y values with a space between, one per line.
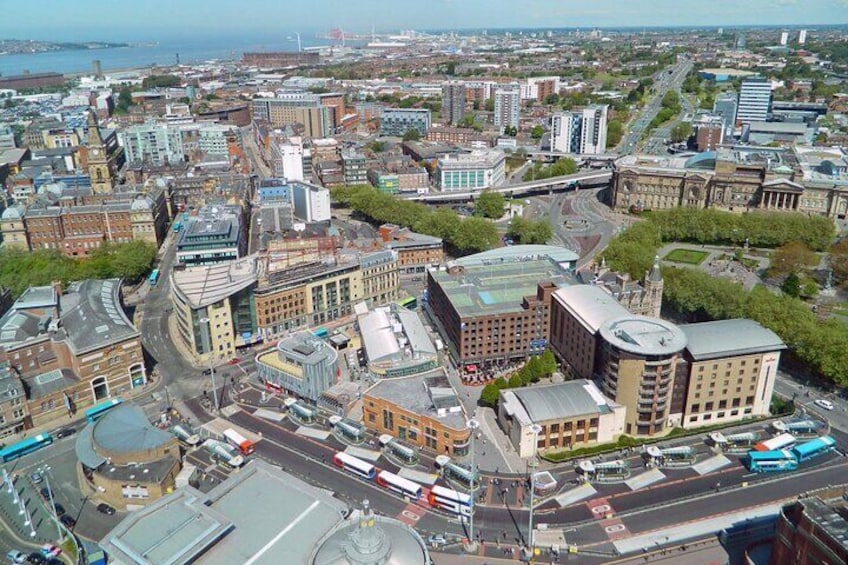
pixel 826 404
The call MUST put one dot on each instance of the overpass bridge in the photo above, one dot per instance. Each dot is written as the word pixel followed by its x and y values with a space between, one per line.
pixel 587 179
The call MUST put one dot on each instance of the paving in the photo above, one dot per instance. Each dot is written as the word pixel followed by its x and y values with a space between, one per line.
pixel 712 464
pixel 314 433
pixel 582 492
pixel 645 479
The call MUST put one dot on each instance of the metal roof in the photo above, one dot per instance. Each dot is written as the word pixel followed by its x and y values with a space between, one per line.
pixel 590 304
pixel 723 338
pixel 125 429
pixel 644 336
pixel 208 284
pixel 92 315
pixel 561 401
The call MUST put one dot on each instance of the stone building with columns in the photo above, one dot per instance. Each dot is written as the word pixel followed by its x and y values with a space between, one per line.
pixel 812 180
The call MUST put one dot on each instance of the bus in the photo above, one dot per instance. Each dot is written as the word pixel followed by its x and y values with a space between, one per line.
pixel 177 226
pixel 244 445
pixel 354 465
pixel 410 303
pixel 185 434
pixel 782 441
pixel 400 485
pixel 93 414
pixel 154 277
pixel 223 453
pixel 28 445
pixel 770 461
pixel 450 500
pixel 813 448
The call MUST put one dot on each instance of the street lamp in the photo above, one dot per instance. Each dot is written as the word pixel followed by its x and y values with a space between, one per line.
pixel 207 324
pixel 44 472
pixel 536 429
pixel 472 425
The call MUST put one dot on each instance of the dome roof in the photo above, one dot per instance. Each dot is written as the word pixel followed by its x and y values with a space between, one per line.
pixel 14 212
pixel 125 429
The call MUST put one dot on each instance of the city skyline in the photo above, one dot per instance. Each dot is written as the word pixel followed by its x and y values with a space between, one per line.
pixel 159 19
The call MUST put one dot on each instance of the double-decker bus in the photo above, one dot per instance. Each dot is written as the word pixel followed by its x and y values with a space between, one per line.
pixel 28 445
pixel 450 500
pixel 782 441
pixel 399 485
pixel 813 448
pixel 770 461
pixel 244 445
pixel 354 465
pixel 153 278
pixel 93 414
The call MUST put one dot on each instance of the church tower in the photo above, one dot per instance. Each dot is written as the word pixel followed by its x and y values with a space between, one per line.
pixel 654 287
pixel 98 160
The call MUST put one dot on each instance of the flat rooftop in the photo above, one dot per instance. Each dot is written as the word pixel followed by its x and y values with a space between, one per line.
pixel 561 401
pixel 723 338
pixel 644 336
pixel 425 395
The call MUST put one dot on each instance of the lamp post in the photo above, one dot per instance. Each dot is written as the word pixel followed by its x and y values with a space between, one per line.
pixel 472 425
pixel 536 429
pixel 207 324
pixel 44 470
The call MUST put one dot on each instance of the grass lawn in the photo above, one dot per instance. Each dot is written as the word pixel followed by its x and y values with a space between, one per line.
pixel 688 256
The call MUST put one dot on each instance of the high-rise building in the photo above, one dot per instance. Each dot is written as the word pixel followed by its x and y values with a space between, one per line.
pixel 398 121
pixel 287 158
pixel 593 130
pixel 507 106
pixel 725 106
pixel 784 37
pixel 453 101
pixel 565 132
pixel 754 100
pixel 802 37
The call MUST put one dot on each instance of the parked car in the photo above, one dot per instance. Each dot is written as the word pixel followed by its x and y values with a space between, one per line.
pixel 36 478
pixel 826 404
pixel 234 361
pixel 437 540
pixel 105 509
pixel 49 550
pixel 68 521
pixel 45 493
pixel 59 509
pixel 35 558
pixel 64 432
pixel 15 556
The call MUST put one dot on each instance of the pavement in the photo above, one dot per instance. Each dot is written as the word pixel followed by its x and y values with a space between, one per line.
pixel 718 267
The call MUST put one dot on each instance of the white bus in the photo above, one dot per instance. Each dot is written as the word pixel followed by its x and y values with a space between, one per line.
pixel 782 441
pixel 244 445
pixel 399 485
pixel 354 465
pixel 450 500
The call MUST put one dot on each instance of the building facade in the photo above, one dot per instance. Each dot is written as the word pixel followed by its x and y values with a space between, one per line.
pixel 397 121
pixel 301 365
pixel 311 203
pixel 507 106
pixel 754 100
pixel 453 102
pixel 811 531
pixel 477 170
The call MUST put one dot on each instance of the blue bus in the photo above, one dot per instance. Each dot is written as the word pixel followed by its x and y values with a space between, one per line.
pixel 94 413
pixel 26 446
pixel 769 461
pixel 813 448
pixel 154 277
pixel 177 226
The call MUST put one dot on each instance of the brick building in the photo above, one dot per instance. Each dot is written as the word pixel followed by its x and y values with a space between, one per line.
pixel 812 531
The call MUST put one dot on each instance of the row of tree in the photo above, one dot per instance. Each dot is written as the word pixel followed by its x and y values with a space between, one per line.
pixel 529 232
pixel 563 166
pixel 537 367
pixel 468 235
pixel 20 269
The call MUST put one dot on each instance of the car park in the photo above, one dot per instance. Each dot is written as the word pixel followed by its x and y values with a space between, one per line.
pixel 822 403
pixel 105 509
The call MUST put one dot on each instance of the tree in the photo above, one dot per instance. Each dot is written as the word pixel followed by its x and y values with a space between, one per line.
pixel 529 232
pixel 791 257
pixel 681 132
pixel 549 364
pixel 490 205
pixel 615 131
pixel 412 134
pixel 161 81
pixel 564 166
pixel 124 99
pixel 377 146
pixel 490 395
pixel 537 132
pixel 443 223
pixel 552 99
pixel 511 131
pixel 476 234
pixel 791 286
pixel 838 261
pixel 489 105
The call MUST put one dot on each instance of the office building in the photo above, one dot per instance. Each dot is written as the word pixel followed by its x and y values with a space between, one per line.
pixel 416 252
pixel 7 138
pixel 302 111
pixel 572 414
pixel 802 37
pixel 812 530
pixel 395 342
pixel 709 132
pixel 480 169
pixel 397 121
pixel 302 365
pixel 215 234
pixel 754 100
pixel 453 102
pixel 354 168
pixel 422 411
pixel 311 202
pixel 214 307
pixel 152 143
pixel 725 106
pixel 507 106
pixel 459 136
pixel 126 461
pixel 261 515
pixel 57 342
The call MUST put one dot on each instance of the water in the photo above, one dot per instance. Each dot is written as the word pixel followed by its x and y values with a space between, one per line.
pixel 163 53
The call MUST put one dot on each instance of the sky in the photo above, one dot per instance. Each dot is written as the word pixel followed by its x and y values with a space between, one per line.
pixel 139 20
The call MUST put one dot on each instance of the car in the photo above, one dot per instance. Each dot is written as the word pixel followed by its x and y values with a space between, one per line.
pixel 822 403
pixel 45 493
pixel 59 509
pixel 105 509
pixel 49 550
pixel 35 558
pixel 68 521
pixel 15 556
pixel 437 540
pixel 36 478
pixel 234 361
pixel 64 432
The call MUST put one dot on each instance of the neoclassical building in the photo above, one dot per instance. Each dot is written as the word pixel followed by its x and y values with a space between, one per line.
pixel 812 180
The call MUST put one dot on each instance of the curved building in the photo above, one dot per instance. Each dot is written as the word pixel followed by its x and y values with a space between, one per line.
pixel 303 365
pixel 637 364
pixel 125 460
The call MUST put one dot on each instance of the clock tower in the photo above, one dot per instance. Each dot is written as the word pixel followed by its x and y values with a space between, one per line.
pixel 98 161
